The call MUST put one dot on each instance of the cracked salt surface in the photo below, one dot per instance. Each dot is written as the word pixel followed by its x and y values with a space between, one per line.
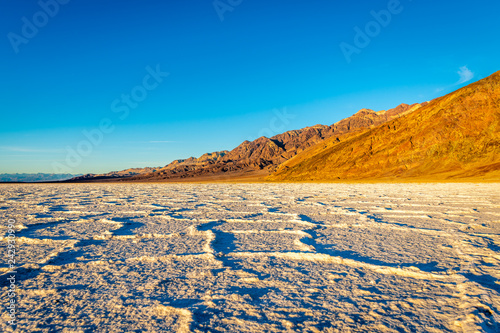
pixel 254 257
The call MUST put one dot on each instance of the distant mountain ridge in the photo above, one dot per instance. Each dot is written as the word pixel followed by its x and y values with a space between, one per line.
pixel 115 174
pixel 34 177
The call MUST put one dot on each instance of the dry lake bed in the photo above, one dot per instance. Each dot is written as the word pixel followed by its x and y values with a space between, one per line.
pixel 251 258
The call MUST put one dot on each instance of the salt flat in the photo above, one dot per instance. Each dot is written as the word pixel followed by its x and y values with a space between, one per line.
pixel 254 257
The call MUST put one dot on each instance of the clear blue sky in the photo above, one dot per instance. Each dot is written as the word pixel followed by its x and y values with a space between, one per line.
pixel 229 68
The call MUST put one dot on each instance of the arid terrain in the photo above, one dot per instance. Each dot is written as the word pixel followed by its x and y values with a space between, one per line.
pixel 456 136
pixel 451 138
pixel 254 257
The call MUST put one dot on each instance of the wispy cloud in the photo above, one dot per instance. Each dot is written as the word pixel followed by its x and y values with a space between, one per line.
pixel 465 75
pixel 147 163
pixel 162 141
pixel 29 149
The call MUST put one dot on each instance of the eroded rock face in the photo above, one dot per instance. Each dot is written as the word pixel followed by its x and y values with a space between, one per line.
pixel 452 137
pixel 267 154
pixel 203 160
pixel 261 155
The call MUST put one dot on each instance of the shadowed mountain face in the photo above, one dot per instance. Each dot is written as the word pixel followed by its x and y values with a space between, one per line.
pixel 263 155
pixel 453 137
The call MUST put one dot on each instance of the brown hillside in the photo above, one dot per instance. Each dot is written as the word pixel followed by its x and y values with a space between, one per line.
pixel 453 137
pixel 263 155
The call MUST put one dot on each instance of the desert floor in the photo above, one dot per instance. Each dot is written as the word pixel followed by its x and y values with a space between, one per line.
pixel 253 257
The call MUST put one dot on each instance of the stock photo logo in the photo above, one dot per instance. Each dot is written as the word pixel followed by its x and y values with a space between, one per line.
pixel 120 106
pixel 31 26
pixel 372 29
pixel 277 124
pixel 221 7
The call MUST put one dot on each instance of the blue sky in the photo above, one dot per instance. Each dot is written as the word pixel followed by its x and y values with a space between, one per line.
pixel 237 69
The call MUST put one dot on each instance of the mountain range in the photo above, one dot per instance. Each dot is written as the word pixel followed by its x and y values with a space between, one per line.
pixel 452 137
pixel 34 177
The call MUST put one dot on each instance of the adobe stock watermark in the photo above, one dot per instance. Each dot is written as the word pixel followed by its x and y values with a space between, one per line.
pixel 223 6
pixel 11 275
pixel 277 124
pixel 120 106
pixel 30 27
pixel 363 37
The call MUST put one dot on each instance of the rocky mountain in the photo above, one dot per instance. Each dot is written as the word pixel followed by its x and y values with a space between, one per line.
pixel 456 136
pixel 177 166
pixel 263 155
pixel 193 163
pixel 452 136
pixel 257 158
